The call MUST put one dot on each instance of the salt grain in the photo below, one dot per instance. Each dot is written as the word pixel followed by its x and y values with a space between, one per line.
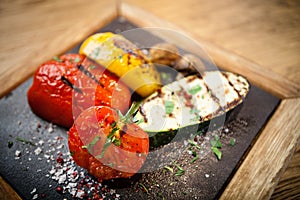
pixel 37 151
pixel 18 153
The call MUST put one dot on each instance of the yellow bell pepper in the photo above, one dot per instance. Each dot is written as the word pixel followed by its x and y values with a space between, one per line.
pixel 124 59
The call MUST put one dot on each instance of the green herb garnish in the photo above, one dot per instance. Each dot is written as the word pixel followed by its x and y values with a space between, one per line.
pixel 195 89
pixel 110 139
pixel 25 141
pixel 215 146
pixel 169 168
pixel 194 144
pixel 56 58
pixel 91 144
pixel 232 141
pixel 169 107
pixel 77 59
pixel 180 170
pixel 144 187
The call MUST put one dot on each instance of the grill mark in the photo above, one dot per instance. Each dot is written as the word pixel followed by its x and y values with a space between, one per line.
pixel 232 85
pixel 214 98
pixel 142 111
pixel 89 74
pixel 68 83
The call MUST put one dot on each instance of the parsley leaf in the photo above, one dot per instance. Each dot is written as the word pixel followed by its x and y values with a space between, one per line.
pixel 57 59
pixel 215 146
pixel 169 106
pixel 195 89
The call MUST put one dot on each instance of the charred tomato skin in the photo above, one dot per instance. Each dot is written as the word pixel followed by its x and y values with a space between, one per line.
pixel 88 135
pixel 54 100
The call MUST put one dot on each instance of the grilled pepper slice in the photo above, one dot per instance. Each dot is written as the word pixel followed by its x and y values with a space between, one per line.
pixel 124 59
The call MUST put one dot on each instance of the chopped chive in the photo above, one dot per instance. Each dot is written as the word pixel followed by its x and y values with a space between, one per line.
pixel 56 58
pixel 195 89
pixel 169 168
pixel 232 141
pixel 144 187
pixel 77 59
pixel 169 107
pixel 217 152
pixel 180 170
pixel 195 158
pixel 194 144
pixel 108 141
pixel 25 141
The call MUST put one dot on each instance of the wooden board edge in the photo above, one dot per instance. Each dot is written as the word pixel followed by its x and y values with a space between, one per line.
pixel 262 77
pixel 267 160
pixel 7 192
pixel 17 77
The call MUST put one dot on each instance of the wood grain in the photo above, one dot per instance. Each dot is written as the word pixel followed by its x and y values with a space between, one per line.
pixel 264 165
pixel 7 192
pixel 289 184
pixel 260 76
pixel 266 32
pixel 32 32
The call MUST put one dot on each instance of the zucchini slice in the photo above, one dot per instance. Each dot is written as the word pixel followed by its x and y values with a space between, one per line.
pixel 190 101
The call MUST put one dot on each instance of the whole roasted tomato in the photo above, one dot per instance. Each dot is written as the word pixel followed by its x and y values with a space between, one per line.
pixel 63 87
pixel 107 144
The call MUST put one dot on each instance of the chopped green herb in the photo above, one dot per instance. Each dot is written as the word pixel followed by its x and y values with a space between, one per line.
pixel 110 164
pixel 25 141
pixel 10 144
pixel 72 153
pixel 109 140
pixel 144 188
pixel 195 89
pixel 232 141
pixel 184 193
pixel 194 144
pixel 57 59
pixel 215 146
pixel 216 142
pixel 180 170
pixel 91 144
pixel 169 168
pixel 195 158
pixel 116 142
pixel 77 59
pixel 139 121
pixel 169 106
pixel 93 66
pixel 217 152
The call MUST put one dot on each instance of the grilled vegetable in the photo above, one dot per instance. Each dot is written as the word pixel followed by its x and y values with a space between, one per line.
pixel 63 87
pixel 124 59
pixel 106 144
pixel 190 101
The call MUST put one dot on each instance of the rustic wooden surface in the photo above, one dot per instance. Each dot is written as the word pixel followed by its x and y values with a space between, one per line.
pixel 259 39
pixel 33 31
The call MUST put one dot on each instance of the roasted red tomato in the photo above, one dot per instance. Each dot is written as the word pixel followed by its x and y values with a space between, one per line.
pixel 65 86
pixel 106 145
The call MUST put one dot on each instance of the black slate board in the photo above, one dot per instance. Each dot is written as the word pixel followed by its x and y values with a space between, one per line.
pixel 206 178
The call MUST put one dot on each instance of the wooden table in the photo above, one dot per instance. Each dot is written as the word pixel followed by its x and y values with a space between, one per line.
pixel 260 40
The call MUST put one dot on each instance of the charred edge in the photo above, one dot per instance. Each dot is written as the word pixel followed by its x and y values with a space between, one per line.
pixel 89 74
pixel 142 111
pixel 231 85
pixel 68 83
pixel 215 99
